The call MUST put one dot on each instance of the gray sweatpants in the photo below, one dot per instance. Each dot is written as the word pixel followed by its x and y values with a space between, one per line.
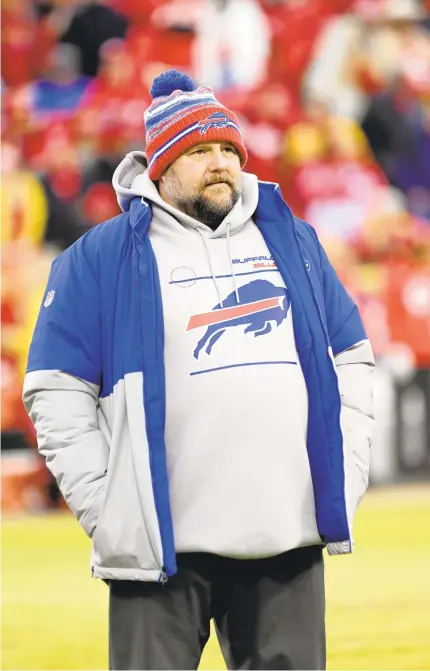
pixel 268 614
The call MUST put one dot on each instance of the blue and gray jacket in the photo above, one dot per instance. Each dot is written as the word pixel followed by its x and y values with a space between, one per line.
pixel 95 386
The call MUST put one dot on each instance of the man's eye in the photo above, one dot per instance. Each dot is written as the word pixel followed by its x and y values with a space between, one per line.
pixel 199 151
pixel 230 150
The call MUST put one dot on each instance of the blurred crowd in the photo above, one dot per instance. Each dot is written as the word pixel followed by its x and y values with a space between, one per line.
pixel 334 100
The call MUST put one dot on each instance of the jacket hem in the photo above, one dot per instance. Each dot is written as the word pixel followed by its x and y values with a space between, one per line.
pixel 144 575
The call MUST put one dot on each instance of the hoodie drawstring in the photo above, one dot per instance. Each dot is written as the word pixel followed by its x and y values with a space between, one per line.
pixel 231 266
pixel 210 266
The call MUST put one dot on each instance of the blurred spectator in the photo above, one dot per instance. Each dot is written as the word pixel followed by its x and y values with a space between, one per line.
pixel 333 177
pixel 382 80
pixel 18 42
pixel 399 133
pixel 61 88
pixel 137 11
pixel 371 48
pixel 23 202
pixel 86 25
pixel 61 176
pixel 167 40
pixel 232 45
pixel 408 306
pixel 25 270
pixel 25 42
pixel 111 117
pixel 295 27
pixel 42 209
pixel 92 26
pixel 30 110
pixel 99 204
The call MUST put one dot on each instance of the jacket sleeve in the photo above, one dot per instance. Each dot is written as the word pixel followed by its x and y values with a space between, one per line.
pixel 355 367
pixel 355 364
pixel 62 383
pixel 344 324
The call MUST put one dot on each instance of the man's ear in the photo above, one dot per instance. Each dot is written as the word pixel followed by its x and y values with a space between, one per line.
pixel 162 179
pixel 160 182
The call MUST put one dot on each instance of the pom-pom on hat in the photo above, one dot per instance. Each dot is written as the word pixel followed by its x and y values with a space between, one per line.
pixel 182 115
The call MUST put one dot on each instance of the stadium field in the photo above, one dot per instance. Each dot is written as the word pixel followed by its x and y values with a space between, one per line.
pixel 54 616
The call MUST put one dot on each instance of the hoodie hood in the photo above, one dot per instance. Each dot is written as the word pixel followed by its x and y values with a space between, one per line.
pixel 131 180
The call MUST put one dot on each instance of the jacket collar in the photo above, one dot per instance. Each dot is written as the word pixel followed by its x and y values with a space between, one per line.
pixel 271 208
pixel 271 205
pixel 140 215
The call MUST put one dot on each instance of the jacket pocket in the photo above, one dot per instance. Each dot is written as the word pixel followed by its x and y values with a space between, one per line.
pixel 127 534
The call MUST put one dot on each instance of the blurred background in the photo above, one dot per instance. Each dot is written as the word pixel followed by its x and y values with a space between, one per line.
pixel 334 100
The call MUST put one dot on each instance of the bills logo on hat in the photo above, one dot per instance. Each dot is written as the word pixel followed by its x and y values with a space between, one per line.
pixel 216 120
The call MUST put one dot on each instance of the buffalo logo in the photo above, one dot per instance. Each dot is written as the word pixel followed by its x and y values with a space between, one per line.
pixel 260 304
pixel 216 120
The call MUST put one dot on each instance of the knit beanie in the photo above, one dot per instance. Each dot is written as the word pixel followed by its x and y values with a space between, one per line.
pixel 182 115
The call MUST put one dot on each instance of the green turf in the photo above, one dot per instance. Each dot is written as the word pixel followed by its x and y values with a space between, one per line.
pixel 54 616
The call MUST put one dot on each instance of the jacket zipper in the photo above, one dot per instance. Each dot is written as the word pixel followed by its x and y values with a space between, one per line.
pixel 163 574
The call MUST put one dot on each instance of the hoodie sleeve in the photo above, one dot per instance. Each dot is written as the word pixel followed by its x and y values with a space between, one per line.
pixel 62 383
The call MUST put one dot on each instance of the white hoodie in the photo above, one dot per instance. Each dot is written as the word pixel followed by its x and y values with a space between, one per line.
pixel 236 409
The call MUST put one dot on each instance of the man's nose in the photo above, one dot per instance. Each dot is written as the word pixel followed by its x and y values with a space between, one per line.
pixel 218 160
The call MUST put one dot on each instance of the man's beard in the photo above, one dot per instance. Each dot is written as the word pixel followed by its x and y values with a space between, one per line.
pixel 210 212
pixel 206 210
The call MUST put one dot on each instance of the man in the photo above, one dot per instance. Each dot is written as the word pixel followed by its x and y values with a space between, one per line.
pixel 200 384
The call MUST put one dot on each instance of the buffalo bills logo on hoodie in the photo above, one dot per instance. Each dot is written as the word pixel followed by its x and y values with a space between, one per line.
pixel 261 305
